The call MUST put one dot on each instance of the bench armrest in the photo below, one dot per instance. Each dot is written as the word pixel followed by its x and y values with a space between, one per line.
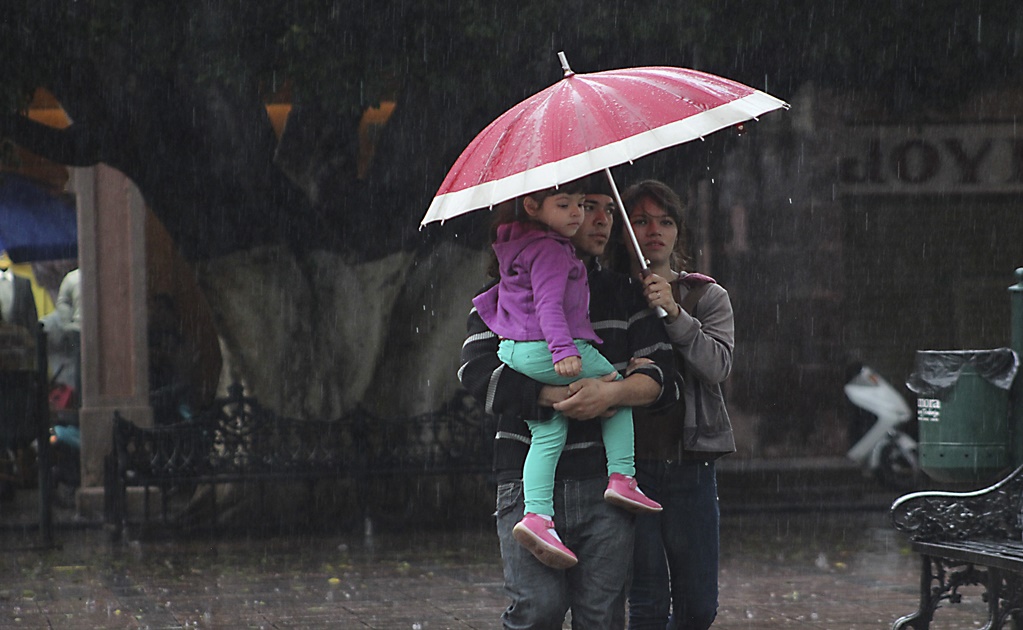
pixel 989 513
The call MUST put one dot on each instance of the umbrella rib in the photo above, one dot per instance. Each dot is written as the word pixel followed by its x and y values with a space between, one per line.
pixel 504 126
pixel 613 103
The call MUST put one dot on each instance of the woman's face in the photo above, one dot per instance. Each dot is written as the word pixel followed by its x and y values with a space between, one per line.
pixel 655 230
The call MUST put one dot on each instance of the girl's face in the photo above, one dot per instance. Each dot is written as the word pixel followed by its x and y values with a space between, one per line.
pixel 561 212
pixel 655 230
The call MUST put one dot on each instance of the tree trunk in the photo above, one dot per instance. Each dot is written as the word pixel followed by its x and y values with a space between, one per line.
pixel 312 335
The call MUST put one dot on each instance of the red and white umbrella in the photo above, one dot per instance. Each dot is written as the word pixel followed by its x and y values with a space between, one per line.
pixel 587 123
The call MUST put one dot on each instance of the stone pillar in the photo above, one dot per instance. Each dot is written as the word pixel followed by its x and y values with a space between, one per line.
pixel 114 368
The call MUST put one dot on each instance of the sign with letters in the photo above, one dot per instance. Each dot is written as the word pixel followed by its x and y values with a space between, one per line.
pixel 928 409
pixel 932 159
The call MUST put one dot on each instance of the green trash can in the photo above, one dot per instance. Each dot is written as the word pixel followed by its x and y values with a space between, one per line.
pixel 963 412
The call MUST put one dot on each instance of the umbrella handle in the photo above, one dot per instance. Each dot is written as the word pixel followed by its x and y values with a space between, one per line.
pixel 644 269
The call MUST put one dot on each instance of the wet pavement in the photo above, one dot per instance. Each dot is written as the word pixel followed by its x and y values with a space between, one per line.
pixel 837 568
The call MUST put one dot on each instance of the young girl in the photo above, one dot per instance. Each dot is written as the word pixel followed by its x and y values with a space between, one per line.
pixel 540 309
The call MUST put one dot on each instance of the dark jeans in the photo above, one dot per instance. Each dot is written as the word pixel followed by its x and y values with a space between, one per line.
pixel 600 534
pixel 675 571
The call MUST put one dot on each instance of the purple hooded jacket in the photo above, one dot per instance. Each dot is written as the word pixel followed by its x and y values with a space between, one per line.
pixel 543 292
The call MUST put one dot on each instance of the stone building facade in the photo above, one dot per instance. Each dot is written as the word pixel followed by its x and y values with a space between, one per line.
pixel 847 234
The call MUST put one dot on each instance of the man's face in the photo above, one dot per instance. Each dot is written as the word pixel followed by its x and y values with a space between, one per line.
pixel 592 237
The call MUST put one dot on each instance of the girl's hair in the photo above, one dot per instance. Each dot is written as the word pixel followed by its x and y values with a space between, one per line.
pixel 513 210
pixel 619 257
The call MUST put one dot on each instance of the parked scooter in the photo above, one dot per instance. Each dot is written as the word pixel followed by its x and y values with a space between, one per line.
pixel 885 449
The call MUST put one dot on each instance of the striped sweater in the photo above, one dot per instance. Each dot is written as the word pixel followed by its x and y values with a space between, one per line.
pixel 621 318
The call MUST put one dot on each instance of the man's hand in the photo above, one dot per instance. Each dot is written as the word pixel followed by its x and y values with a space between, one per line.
pixel 590 398
pixel 552 394
pixel 635 363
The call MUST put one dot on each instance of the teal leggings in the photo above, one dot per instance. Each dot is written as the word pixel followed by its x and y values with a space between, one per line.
pixel 533 359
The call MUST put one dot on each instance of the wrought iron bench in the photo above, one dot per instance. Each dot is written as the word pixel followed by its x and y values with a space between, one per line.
pixel 239 441
pixel 967 538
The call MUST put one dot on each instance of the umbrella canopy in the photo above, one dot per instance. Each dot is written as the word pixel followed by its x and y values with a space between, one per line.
pixel 587 123
pixel 34 224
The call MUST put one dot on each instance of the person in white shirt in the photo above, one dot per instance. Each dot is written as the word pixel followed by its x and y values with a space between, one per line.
pixel 69 301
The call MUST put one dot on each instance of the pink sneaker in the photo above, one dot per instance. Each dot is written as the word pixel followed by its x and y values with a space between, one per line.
pixel 624 492
pixel 538 536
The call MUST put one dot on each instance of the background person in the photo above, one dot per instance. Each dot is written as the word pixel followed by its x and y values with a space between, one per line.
pixel 19 323
pixel 69 301
pixel 675 580
pixel 17 301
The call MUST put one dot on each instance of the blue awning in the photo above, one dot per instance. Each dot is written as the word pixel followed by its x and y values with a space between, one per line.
pixel 34 223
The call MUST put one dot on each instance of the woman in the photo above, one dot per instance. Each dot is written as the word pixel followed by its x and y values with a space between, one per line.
pixel 675 575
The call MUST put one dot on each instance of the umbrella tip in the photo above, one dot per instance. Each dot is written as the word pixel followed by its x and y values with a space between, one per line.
pixel 564 64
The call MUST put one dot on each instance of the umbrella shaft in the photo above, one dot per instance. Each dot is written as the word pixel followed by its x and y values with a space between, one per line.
pixel 644 270
pixel 626 224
